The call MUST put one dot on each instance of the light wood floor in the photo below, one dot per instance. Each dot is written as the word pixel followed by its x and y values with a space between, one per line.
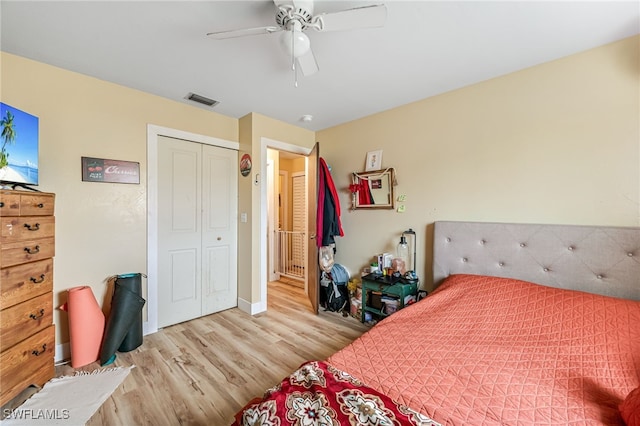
pixel 202 372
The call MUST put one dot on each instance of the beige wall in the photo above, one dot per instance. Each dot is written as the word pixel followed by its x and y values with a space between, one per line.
pixel 555 143
pixel 101 228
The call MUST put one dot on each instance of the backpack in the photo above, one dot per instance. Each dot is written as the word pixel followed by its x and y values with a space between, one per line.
pixel 336 295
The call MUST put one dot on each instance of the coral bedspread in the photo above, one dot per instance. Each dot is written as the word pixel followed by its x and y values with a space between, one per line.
pixel 486 350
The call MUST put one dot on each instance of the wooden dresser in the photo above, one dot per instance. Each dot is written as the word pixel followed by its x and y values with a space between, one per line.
pixel 27 340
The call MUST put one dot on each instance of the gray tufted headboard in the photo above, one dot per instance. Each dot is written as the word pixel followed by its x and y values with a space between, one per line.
pixel 596 259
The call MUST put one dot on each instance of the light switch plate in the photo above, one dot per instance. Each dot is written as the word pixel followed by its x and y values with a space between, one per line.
pixel 402 197
pixel 401 208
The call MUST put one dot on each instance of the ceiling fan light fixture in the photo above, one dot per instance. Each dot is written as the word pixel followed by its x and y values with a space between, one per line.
pixel 295 41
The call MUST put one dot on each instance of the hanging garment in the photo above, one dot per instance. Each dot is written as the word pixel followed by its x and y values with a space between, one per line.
pixel 364 193
pixel 328 213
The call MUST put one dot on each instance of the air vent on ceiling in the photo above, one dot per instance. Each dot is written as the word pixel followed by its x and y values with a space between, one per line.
pixel 201 99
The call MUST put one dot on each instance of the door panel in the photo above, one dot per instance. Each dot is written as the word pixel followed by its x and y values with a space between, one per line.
pixel 312 249
pixel 184 284
pixel 184 180
pixel 219 236
pixel 179 233
pixel 220 281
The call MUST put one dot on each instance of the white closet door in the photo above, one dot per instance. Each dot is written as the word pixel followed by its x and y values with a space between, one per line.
pixel 179 231
pixel 197 230
pixel 219 229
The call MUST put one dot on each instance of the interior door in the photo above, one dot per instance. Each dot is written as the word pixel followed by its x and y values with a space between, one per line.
pixel 219 229
pixel 179 231
pixel 312 249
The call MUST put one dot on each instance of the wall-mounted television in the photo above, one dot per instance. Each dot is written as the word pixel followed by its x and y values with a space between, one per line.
pixel 19 143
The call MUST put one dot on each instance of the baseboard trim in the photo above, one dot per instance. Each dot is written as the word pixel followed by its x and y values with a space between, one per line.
pixel 63 353
pixel 251 308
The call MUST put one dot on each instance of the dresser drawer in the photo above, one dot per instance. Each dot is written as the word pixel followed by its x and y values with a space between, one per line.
pixel 26 228
pixel 28 362
pixel 9 204
pixel 24 319
pixel 24 282
pixel 36 204
pixel 26 251
pixel 17 203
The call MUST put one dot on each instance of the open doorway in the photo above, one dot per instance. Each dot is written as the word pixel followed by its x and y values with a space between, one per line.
pixel 270 153
pixel 286 218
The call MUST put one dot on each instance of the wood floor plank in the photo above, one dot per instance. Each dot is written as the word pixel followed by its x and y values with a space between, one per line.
pixel 202 372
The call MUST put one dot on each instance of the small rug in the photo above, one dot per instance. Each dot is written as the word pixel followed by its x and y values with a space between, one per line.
pixel 68 400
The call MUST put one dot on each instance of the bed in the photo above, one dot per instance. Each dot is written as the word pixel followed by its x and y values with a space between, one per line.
pixel 529 324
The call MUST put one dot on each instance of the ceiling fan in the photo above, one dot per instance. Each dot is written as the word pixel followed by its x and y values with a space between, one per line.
pixel 294 17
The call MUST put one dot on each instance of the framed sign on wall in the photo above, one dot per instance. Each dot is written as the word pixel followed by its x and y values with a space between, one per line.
pixel 113 171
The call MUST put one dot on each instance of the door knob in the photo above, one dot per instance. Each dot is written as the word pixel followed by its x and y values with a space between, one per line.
pixel 312 236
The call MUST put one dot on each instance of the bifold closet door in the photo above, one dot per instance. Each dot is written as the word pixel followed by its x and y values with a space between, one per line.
pixel 197 209
pixel 219 229
pixel 179 231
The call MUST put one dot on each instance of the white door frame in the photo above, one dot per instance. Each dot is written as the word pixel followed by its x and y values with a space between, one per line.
pixel 280 146
pixel 272 214
pixel 153 131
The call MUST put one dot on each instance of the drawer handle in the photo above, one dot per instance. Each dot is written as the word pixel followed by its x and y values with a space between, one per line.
pixel 32 227
pixel 38 353
pixel 37 281
pixel 35 250
pixel 1 203
pixel 40 206
pixel 36 317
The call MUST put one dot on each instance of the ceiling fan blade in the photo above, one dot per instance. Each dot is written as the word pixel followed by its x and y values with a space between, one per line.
pixel 307 63
pixel 221 35
pixel 351 19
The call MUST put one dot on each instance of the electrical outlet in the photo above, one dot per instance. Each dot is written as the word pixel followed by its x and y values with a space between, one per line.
pixel 401 208
pixel 402 197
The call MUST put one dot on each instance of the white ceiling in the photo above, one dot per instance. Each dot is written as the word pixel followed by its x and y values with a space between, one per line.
pixel 425 48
